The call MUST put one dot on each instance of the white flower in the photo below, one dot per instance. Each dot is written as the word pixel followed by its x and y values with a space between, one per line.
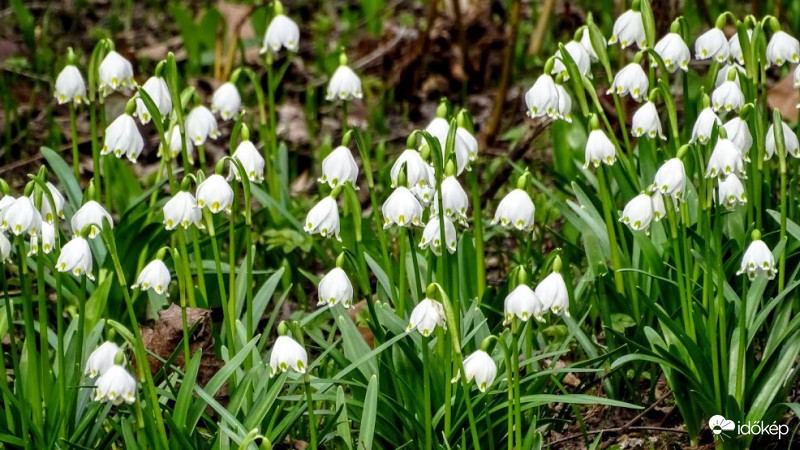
pixel 181 210
pixel 418 172
pixel 432 236
pixel 552 293
pixel 115 386
pixel 712 45
pixel 122 137
pixel 158 91
pixel 5 202
pixel 22 217
pixel 48 238
pixel 659 210
pixel 47 208
pixel 782 48
pixel 469 141
pixel 516 210
pixel 638 213
pixel 454 200
pixel 730 192
pixel 647 122
pixel 115 73
pixel 340 167
pixel 5 248
pixel 722 75
pixel 76 257
pixel 324 219
pixel 251 160
pixel 542 98
pixel 426 316
pixel 578 55
pixel 564 104
pixel 728 96
pixel 439 128
pixel 155 276
pixel 176 143
pixel 424 194
pixel 630 80
pixel 599 148
pixel 91 213
pixel 201 125
pixel 674 52
pixel 402 209
pixel 670 179
pixel 704 125
pixel 586 42
pixel 739 133
pixel 70 86
pixel 628 30
pixel 726 159
pixel 796 77
pixel 101 359
pixel 479 366
pixel 790 143
pixel 215 194
pixel 758 261
pixel 287 354
pixel 335 287
pixel 736 46
pixel 344 85
pixel 281 32
pixel 523 303
pixel 226 101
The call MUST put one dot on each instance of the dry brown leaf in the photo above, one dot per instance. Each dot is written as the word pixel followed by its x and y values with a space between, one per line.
pixel 783 97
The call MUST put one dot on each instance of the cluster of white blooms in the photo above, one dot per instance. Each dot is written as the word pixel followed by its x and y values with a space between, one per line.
pixel 524 303
pixel 114 383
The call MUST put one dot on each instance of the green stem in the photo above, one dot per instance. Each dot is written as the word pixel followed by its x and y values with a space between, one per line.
pixel 187 272
pixel 426 387
pixel 95 144
pixel 13 345
pixel 686 303
pixel 403 289
pixel 272 142
pixel 73 128
pixel 345 126
pixel 415 263
pixel 477 214
pixel 473 426
pixel 229 322
pixel 312 422
pixel 44 359
pixel 198 262
pixel 612 236
pixel 742 328
pixel 232 265
pixel 30 336
pixel 784 194
pixel 515 361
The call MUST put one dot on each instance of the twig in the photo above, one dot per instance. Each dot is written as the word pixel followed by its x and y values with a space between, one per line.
pixel 516 154
pixel 535 44
pixel 618 430
pixel 648 409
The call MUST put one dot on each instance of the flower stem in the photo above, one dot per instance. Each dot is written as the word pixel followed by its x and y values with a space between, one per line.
pixel 187 273
pixel 612 236
pixel 477 214
pixel 44 363
pixel 198 262
pixel 312 422
pixel 426 386
pixel 30 336
pixel 223 298
pixel 415 262
pixel 515 361
pixel 73 128
pixel 13 344
pixel 95 144
pixel 403 289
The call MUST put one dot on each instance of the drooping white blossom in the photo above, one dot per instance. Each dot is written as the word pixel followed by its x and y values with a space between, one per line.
pixel 674 52
pixel 552 292
pixel 523 304
pixel 599 149
pixel 323 219
pixel 630 80
pixel 628 30
pixel 646 122
pixel 91 213
pixel 215 194
pixel 158 91
pixel 638 213
pixel 201 125
pixel 182 210
pixel 335 287
pixel 281 32
pixel 479 366
pixel 432 236
pixel 122 138
pixel 226 101
pixel 252 161
pixel 155 276
pixel 542 98
pixel 727 96
pixel 70 86
pixel 76 257
pixel 790 143
pixel 758 261
pixel 344 85
pixel 730 192
pixel 704 126
pixel 516 210
pixel 340 167
pixel 115 386
pixel 426 316
pixel 287 354
pixel 726 159
pixel 712 45
pixel 115 74
pixel 454 201
pixel 670 179
pixel 402 209
pixel 101 359
pixel 783 48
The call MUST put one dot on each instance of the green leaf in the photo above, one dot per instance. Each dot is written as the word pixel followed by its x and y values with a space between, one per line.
pixel 184 399
pixel 343 423
pixel 369 416
pixel 64 174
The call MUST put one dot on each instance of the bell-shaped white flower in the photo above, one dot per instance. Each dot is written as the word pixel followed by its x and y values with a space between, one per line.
pixel 176 144
pixel 736 46
pixel 796 78
pixel 586 42
pixel 182 210
pixel 424 193
pixel 542 98
pixel 251 160
pixel 646 122
pixel 659 210
pixel 439 128
pixel 226 101
pixel 155 276
pixel 426 316
pixel 722 75
pixel 335 287
pixel 5 202
pixel 726 159
pixel 5 248
pixel 704 125
pixel 552 293
pixel 578 55
pixel 402 209
pixel 468 140
pixel 340 167
pixel 454 200
pixel 47 237
pixel 712 45
pixel 417 171
pixel 629 30
pixel 156 88
pixel 344 85
pixel 783 47
pixel 22 217
pixel 101 359
pixel 758 261
pixel 674 52
pixel 201 125
pixel 115 74
pixel 47 208
pixel 739 133
pixel 630 80
pixel 728 96
pixel 790 143
pixel 599 149
pixel 215 194
pixel 479 366
pixel 516 210
pixel 281 32
pixel 323 219
pixel 115 386
pixel 638 213
pixel 432 236
pixel 287 354
pixel 122 138
pixel 730 192
pixel 70 86
pixel 670 179
pixel 76 257
pixel 564 104
pixel 91 213
pixel 522 303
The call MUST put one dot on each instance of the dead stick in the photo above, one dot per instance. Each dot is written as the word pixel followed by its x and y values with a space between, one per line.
pixel 493 126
